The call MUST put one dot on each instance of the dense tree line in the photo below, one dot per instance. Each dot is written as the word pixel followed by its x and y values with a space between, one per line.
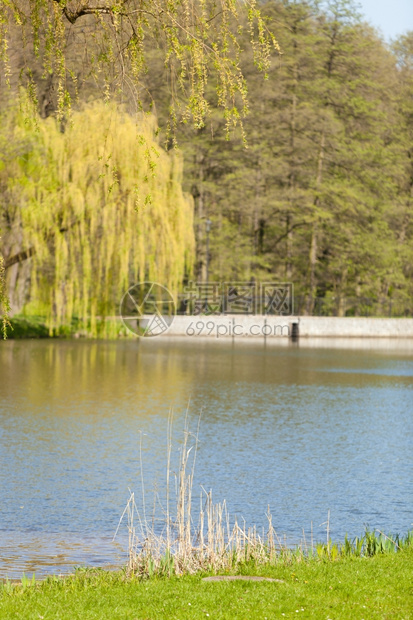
pixel 322 196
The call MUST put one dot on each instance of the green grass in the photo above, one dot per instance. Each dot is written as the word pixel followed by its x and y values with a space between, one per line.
pixel 20 327
pixel 352 587
pixel 368 577
pixel 26 327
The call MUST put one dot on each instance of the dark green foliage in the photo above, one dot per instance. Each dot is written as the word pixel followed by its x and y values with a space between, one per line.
pixel 322 195
pixel 21 327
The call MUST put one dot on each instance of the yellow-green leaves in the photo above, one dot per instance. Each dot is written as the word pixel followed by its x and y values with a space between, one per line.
pixel 109 41
pixel 97 216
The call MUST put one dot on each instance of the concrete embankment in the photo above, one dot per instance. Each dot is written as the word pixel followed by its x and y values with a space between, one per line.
pixel 246 326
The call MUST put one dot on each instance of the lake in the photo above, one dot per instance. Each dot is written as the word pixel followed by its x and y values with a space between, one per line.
pixel 303 428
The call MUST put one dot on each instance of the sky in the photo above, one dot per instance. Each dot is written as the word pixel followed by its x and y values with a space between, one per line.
pixel 392 17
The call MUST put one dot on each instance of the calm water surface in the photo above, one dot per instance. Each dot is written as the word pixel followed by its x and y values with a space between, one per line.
pixel 303 429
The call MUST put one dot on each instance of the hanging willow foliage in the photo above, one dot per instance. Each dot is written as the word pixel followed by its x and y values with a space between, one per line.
pixel 109 40
pixel 4 300
pixel 100 207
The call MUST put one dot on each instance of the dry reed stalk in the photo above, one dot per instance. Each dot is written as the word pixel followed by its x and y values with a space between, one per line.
pixel 312 538
pixel 328 532
pixel 182 547
pixel 388 538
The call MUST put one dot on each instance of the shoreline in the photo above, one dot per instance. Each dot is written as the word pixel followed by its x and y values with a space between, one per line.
pixel 265 328
pixel 351 587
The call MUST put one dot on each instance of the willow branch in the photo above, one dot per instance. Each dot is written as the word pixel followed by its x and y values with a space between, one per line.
pixel 19 257
pixel 25 254
pixel 73 16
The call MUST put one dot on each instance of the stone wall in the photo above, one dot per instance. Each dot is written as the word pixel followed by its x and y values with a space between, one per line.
pixel 273 327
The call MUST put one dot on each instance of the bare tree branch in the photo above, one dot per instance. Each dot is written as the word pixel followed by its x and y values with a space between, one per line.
pixel 19 257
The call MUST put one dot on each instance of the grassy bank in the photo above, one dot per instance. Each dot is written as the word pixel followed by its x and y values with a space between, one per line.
pixel 349 588
pixel 21 327
pixel 26 327
pixel 367 577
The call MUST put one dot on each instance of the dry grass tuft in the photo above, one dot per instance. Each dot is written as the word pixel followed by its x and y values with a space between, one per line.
pixel 214 543
pixel 178 545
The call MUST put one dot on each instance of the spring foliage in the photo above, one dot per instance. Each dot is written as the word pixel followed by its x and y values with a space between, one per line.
pixel 111 39
pixel 99 207
pixel 323 196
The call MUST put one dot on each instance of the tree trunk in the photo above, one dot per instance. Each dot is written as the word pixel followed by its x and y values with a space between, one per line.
pixel 292 176
pixel 199 196
pixel 341 301
pixel 315 229
pixel 257 218
pixel 316 224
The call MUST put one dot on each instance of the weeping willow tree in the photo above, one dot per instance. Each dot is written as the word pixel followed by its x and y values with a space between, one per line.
pixel 93 210
pixel 4 300
pixel 109 41
pixel 66 43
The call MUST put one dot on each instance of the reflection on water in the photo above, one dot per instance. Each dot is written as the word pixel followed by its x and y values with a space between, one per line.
pixel 29 553
pixel 304 429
